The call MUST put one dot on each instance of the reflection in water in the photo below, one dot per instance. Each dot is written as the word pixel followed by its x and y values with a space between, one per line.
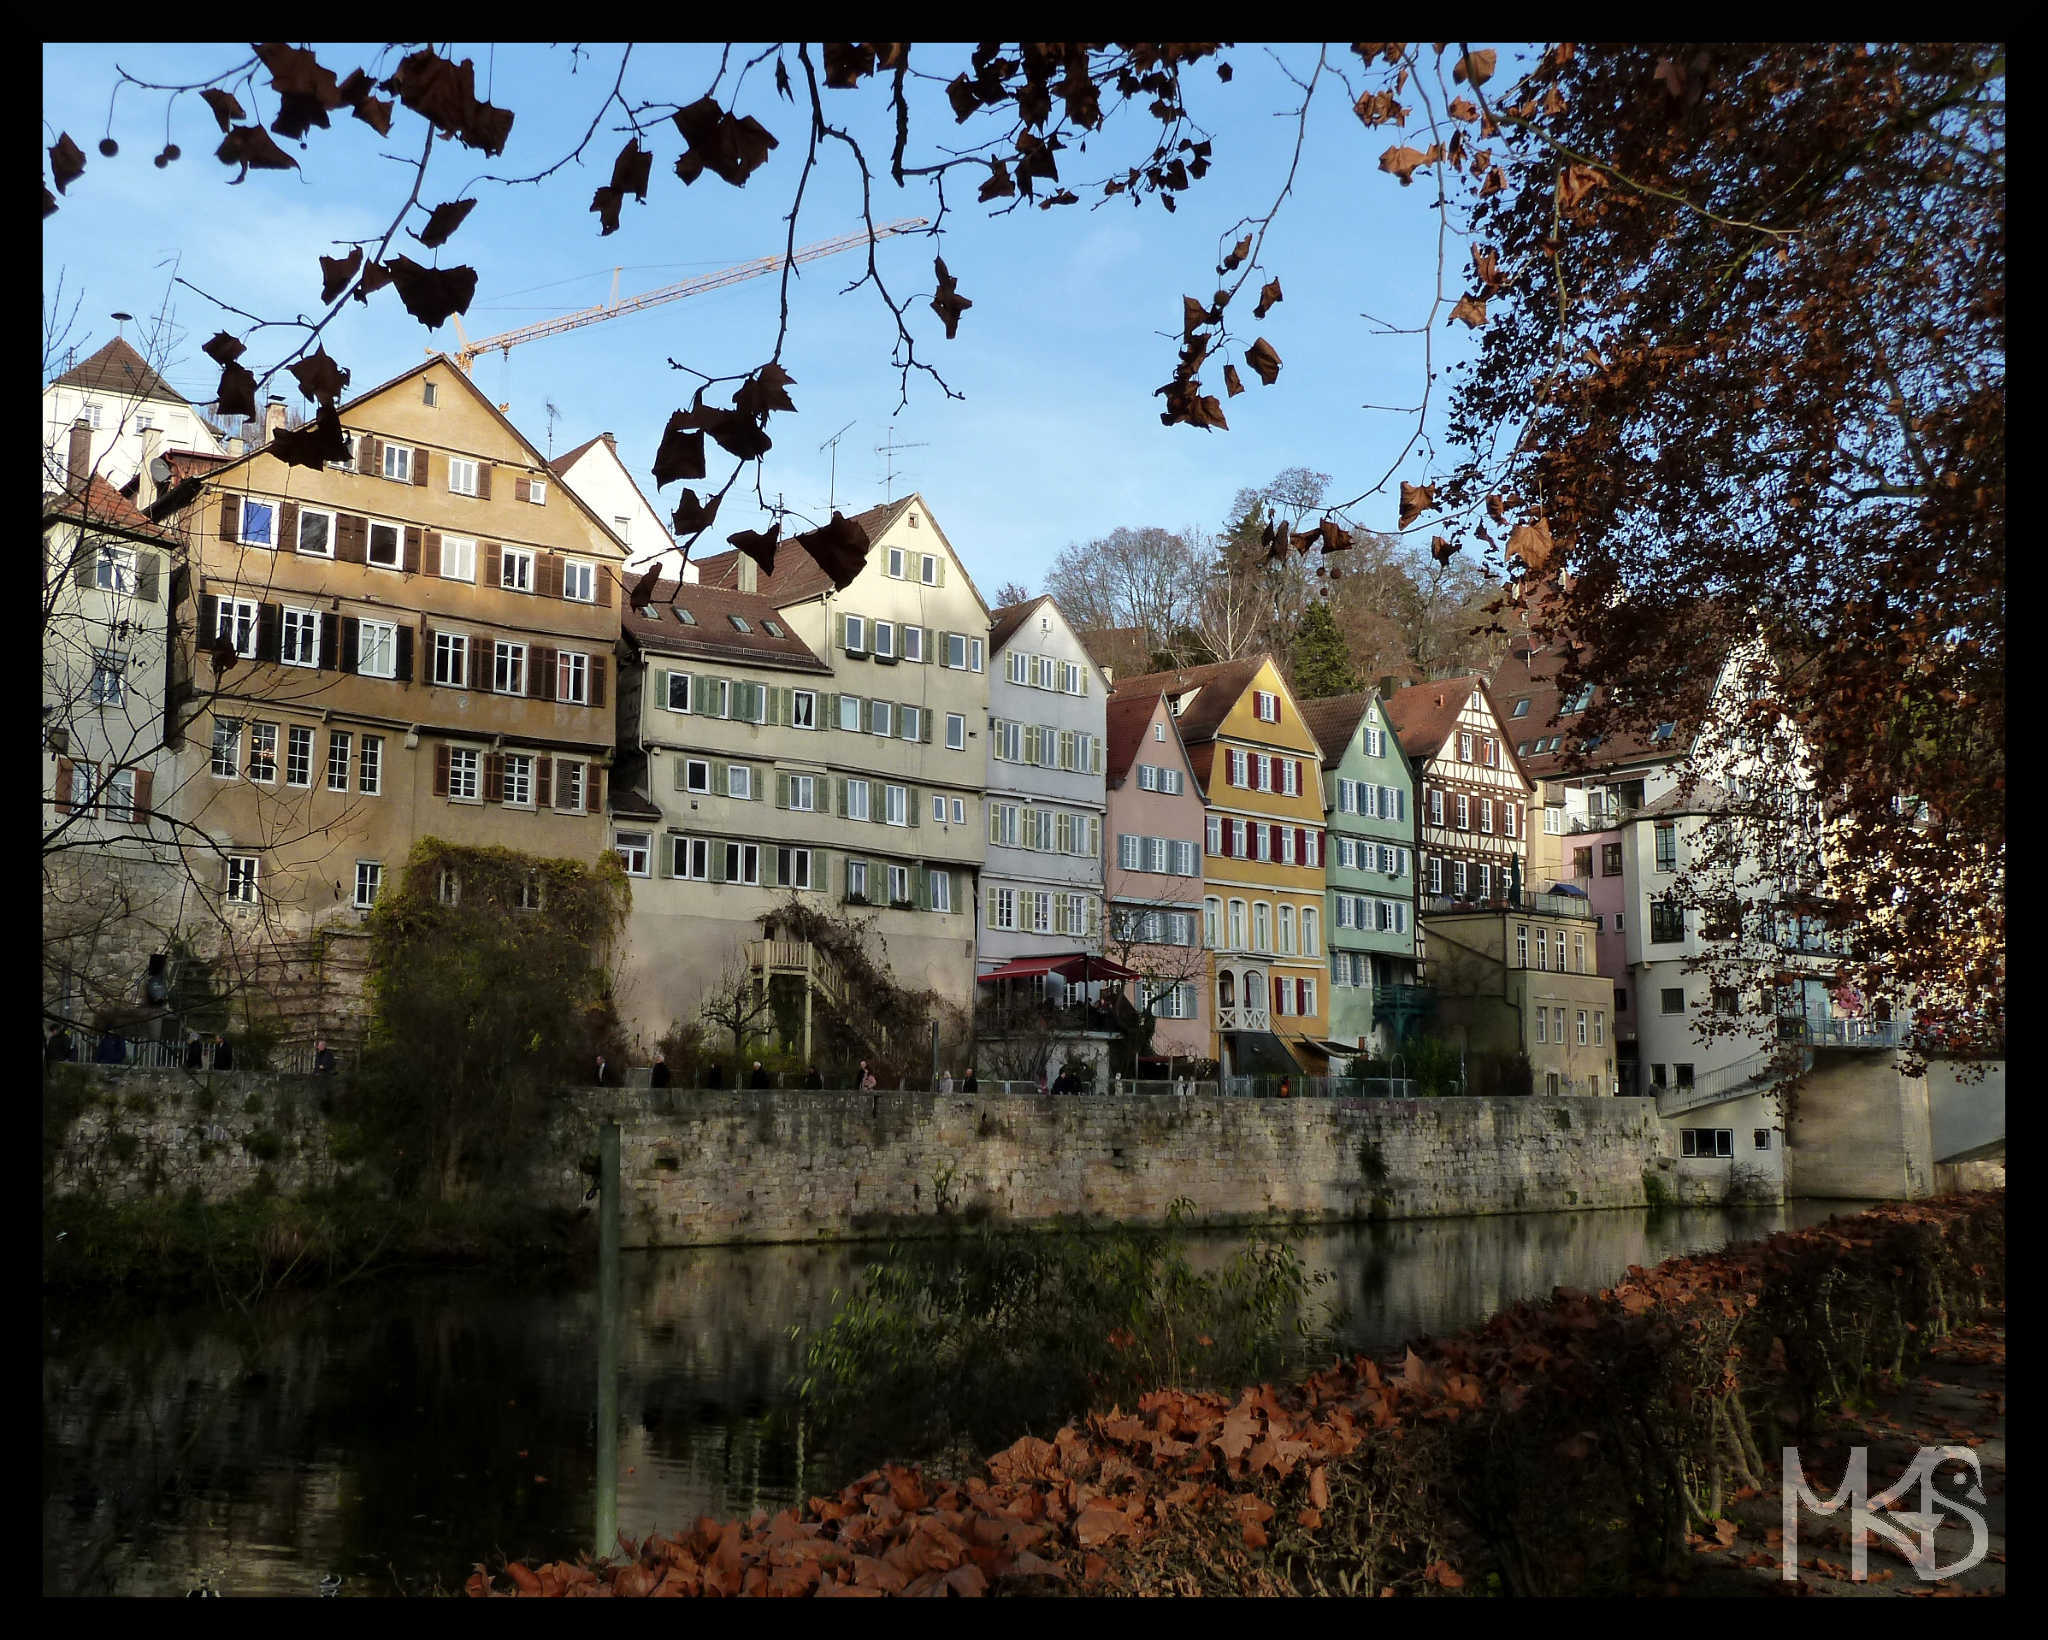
pixel 391 1435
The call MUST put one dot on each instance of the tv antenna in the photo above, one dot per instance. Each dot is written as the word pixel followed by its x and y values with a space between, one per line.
pixel 553 416
pixel 888 453
pixel 832 488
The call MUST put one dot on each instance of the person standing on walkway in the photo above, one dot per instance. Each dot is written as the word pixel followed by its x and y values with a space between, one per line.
pixel 323 1058
pixel 757 1078
pixel 946 1082
pixel 970 1085
pixel 657 1075
pixel 223 1053
pixel 813 1080
pixel 715 1076
pixel 603 1079
pixel 867 1077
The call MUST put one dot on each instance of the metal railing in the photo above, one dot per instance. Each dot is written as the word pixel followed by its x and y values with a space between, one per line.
pixel 1837 1031
pixel 1320 1087
pixel 1535 905
pixel 1747 1075
pixel 150 1054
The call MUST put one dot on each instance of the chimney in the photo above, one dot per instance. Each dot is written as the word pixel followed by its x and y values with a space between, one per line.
pixel 78 459
pixel 750 574
pixel 1387 685
pixel 237 447
pixel 152 450
pixel 611 442
pixel 273 417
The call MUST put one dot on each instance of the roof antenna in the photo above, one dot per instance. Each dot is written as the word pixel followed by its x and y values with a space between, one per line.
pixel 554 416
pixel 832 484
pixel 888 453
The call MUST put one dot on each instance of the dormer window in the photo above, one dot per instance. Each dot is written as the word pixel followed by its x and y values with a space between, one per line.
pixel 739 624
pixel 685 616
pixel 773 630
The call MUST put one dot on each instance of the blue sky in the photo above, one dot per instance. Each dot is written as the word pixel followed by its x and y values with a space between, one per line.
pixel 1075 319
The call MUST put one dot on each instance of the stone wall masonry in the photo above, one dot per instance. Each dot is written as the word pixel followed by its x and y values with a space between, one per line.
pixel 703 1168
pixel 1861 1132
pixel 126 1134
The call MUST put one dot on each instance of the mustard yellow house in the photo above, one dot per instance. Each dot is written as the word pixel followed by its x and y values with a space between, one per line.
pixel 1263 879
pixel 418 641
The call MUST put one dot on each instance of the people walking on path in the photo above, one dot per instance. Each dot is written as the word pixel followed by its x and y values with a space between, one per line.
pixel 323 1058
pixel 867 1077
pixel 812 1079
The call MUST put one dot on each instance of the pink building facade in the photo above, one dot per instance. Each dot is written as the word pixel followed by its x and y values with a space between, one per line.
pixel 1152 861
pixel 1593 859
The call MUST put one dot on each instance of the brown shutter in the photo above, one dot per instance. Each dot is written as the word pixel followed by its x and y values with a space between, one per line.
pixel 230 518
pixel 427 666
pixel 288 527
pixel 419 468
pixel 493 575
pixel 145 784
pixel 63 785
pixel 597 680
pixel 540 681
pixel 411 559
pixel 603 577
pixel 373 455
pixel 351 538
pixel 441 770
pixel 483 481
pixel 494 777
pixel 522 489
pixel 404 667
pixel 268 621
pixel 544 782
pixel 330 642
pixel 593 788
pixel 430 560
pixel 548 576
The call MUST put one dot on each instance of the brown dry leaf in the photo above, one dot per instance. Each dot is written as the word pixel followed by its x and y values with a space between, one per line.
pixel 527 1582
pixel 1476 67
pixel 840 549
pixel 251 147
pixel 1269 297
pixel 1670 76
pixel 731 148
pixel 375 112
pixel 222 348
pixel 444 93
pixel 1379 108
pixel 320 378
pixel 1261 357
pixel 1574 182
pixel 948 303
pixel 1254 1535
pixel 999 185
pixel 1462 109
pixel 237 392
pixel 337 271
pixel 1531 543
pixel 1416 499
pixel 681 456
pixel 442 221
pixel 1233 384
pixel 430 295
pixel 1470 309
pixel 1442 550
pixel 1441 1572
pixel 320 441
pixel 1726 1531
pixel 763 392
pixel 1238 253
pixel 225 108
pixel 1318 1488
pixel 1402 162
pixel 67 161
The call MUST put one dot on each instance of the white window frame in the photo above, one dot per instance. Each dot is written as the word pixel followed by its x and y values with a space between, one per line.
pixel 537 492
pixel 913 643
pixel 928 569
pixel 696 775
pixel 674 678
pixel 109 678
pixel 743 864
pixel 453 647
pixel 370 766
pixel 269 509
pixel 896 805
pixel 910 722
pixel 803 709
pixel 953 638
pixel 458 558
pixel 377 649
pixel 959 811
pixel 938 809
pixel 237 618
pixel 465 774
pixel 858 795
pixel 635 852
pixel 956 732
pixel 340 750
pixel 516 787
pixel 306 515
pixel 938 887
pixel 369 882
pixel 739 782
pixel 793 867
pixel 398 463
pixel 243 876
pixel 508 665
pixel 690 858
pixel 974 654
pixel 856 635
pixel 857 878
pixel 516 566
pixel 263 753
pixel 298 741
pixel 462 473
pixel 884 640
pixel 803 793
pixel 571 790
pixel 894 567
pixel 113 568
pixel 899 884
pixel 579 580
pixel 572 677
pixel 397 534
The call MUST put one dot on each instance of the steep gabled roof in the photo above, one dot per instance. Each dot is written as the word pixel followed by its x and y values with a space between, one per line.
pixel 1221 684
pixel 713 636
pixel 1333 720
pixel 797 578
pixel 98 505
pixel 118 368
pixel 1423 715
pixel 561 464
pixel 1530 673
pixel 1003 623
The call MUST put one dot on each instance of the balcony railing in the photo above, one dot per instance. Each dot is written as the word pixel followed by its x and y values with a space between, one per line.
pixel 1757 1071
pixel 1403 1001
pixel 1539 905
pixel 1243 1019
pixel 995 1017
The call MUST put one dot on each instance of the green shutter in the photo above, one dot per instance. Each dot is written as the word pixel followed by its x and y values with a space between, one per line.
pixel 839 787
pixel 925 725
pixel 913 798
pixel 717 851
pixel 661 685
pixel 781 790
pixel 841 630
pixel 940 559
pixel 920 886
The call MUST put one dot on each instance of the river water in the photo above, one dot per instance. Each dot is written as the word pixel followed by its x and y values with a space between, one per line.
pixel 393 1433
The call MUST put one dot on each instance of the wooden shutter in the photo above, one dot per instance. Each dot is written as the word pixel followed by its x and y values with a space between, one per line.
pixel 544 782
pixel 493 574
pixel 1279 1002
pixel 547 571
pixel 82 565
pixel 351 538
pixel 404 663
pixel 602 575
pixel 924 723
pixel 288 527
pixel 430 560
pixel 1301 996
pixel 268 621
pixel 63 799
pixel 593 788
pixel 441 770
pixel 522 489
pixel 839 787
pixel 411 559
pixel 330 642
pixel 494 777
pixel 913 797
pixel 428 665
pixel 145 786
pixel 419 467
pixel 483 481
pixel 597 680
pixel 781 790
pixel 541 680
pixel 230 518
pixel 209 617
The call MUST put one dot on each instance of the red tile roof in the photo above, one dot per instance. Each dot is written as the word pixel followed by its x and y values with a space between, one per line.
pixel 561 464
pixel 98 504
pixel 118 368
pixel 1222 685
pixel 1003 623
pixel 1423 715
pixel 714 636
pixel 1128 718
pixel 797 578
pixel 1530 673
pixel 1333 720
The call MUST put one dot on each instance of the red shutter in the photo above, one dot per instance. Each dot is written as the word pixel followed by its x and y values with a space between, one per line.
pixel 441 771
pixel 63 785
pixel 544 782
pixel 1301 996
pixel 492 574
pixel 419 467
pixel 288 527
pixel 1273 843
pixel 430 560
pixel 230 518
pixel 1279 995
pixel 597 680
pixel 522 489
pixel 411 560
pixel 483 481
pixel 145 784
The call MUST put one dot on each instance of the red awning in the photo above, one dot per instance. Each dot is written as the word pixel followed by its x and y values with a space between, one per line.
pixel 1081 968
pixel 1024 968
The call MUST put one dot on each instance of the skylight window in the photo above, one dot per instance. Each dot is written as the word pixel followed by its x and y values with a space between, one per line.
pixel 772 629
pixel 738 624
pixel 685 616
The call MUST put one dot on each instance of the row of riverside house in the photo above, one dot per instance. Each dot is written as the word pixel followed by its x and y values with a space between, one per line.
pixel 432 639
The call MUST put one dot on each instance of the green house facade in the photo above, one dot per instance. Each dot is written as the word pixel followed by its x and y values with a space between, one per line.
pixel 1369 797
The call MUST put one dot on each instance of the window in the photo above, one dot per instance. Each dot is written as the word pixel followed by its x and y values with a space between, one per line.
pixel 956 651
pixel 739 781
pixel 895 569
pixel 1266 706
pixel 956 732
pixel 738 623
pixel 716 699
pixel 120 794
pixel 1667 846
pixel 959 811
pixel 1761 1138
pixel 1543 950
pixel 263 751
pixel 1464 812
pixel 1436 874
pixel 883 716
pixel 899 886
pixel 803 793
pixel 537 492
pixel 241 887
pixel 856 635
pixel 568 786
pixel 1262 926
pixel 910 725
pixel 451 659
pixel 679 691
pixel 1436 807
pixel 1610 859
pixel 529 892
pixel 885 640
pixel 518 780
pixel 579 580
pixel 236 621
pixel 89 413
pixel 338 747
pixel 1508 822
pixel 913 643
pixel 370 769
pixel 1579 954
pixel 849 713
pixel 632 848
pixel 939 887
pixel 461 474
pixel 1706 1143
pixel 258 519
pixel 803 709
pixel 458 558
pixel 1599 1027
pixel 398 462
pixel 384 546
pixel 938 809
pixel 1458 872
pixel 572 679
pixel 743 863
pixel 928 569
pixel 1667 922
pixel 857 800
pixel 974 654
pixel 793 867
pixel 428 394
pixel 751 704
pixel 1486 893
pixel 1582 1027
pixel 896 805
pixel 464 767
pixel 515 569
pixel 690 857
pixel 108 687
pixel 508 670
pixel 298 756
pixel 1486 814
pixel 773 629
pixel 369 878
pixel 113 569
pixel 1671 1000
pixel 377 649
pixel 1542 1024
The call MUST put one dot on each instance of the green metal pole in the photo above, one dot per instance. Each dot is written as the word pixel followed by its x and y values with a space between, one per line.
pixel 607 1339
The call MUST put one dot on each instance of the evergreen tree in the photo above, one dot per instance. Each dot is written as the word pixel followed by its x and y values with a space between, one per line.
pixel 1322 660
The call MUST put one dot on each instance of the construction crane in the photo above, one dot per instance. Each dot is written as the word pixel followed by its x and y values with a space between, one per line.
pixel 466 355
